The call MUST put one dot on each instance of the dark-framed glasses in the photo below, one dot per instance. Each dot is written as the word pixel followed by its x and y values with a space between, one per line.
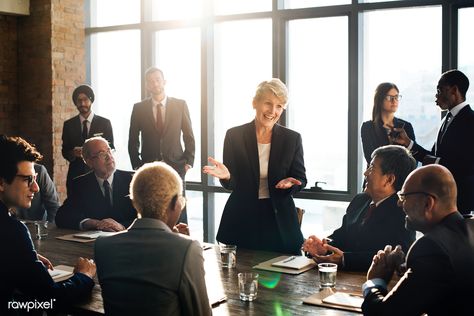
pixel 403 196
pixel 393 98
pixel 28 179
pixel 102 155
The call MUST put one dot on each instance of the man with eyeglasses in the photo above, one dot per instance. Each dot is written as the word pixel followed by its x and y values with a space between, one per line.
pixel 439 279
pixel 166 276
pixel 23 272
pixel 373 218
pixel 454 147
pixel 99 199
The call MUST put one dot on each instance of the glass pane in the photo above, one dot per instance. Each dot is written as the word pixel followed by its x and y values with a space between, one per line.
pixel 409 55
pixel 321 218
pixel 466 47
pixel 238 43
pixel 114 12
pixel 318 85
pixel 117 84
pixel 195 215
pixel 178 54
pixel 295 4
pixel 222 7
pixel 176 9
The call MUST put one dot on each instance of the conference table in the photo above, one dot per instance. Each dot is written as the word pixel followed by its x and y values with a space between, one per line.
pixel 278 293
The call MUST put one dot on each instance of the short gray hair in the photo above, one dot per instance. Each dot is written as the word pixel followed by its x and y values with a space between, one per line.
pixel 396 160
pixel 86 150
pixel 275 86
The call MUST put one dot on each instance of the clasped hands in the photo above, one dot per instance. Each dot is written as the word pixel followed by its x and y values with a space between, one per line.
pixel 385 262
pixel 83 265
pixel 220 171
pixel 321 251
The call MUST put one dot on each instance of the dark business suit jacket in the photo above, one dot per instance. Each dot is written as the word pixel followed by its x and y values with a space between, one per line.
pixel 372 140
pixel 440 275
pixel 241 158
pixel 149 270
pixel 45 203
pixel 361 240
pixel 20 270
pixel 456 151
pixel 154 146
pixel 72 137
pixel 87 201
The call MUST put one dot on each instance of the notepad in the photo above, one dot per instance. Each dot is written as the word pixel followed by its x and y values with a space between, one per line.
pixel 61 273
pixel 93 234
pixel 344 299
pixel 294 262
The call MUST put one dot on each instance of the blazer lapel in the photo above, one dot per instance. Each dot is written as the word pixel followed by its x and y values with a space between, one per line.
pixel 250 140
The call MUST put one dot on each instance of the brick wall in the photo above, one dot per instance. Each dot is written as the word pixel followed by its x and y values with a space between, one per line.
pixel 8 75
pixel 42 59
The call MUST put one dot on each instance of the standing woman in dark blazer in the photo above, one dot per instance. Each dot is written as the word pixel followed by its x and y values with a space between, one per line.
pixel 379 130
pixel 263 166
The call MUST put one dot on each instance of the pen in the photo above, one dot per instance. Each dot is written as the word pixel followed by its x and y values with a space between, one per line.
pixel 289 259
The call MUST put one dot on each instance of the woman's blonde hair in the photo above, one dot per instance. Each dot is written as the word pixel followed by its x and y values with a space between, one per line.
pixel 154 186
pixel 275 86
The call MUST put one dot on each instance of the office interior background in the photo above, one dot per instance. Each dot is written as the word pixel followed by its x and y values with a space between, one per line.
pixel 331 53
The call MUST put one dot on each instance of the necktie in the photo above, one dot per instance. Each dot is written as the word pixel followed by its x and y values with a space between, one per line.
pixel 107 193
pixel 84 130
pixel 369 212
pixel 444 127
pixel 159 119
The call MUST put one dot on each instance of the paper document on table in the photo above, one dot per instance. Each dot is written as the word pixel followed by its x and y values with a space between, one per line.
pixel 294 262
pixel 344 299
pixel 94 234
pixel 61 273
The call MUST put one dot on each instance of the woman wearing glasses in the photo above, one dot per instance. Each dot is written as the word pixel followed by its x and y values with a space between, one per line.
pixel 379 131
pixel 263 166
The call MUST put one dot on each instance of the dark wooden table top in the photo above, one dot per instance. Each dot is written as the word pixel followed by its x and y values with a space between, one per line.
pixel 278 294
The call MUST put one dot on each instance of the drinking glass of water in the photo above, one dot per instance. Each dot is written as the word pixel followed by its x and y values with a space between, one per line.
pixel 248 286
pixel 327 274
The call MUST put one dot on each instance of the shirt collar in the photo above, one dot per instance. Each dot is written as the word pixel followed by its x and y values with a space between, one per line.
pixel 89 118
pixel 163 102
pixel 455 110
pixel 109 179
pixel 379 202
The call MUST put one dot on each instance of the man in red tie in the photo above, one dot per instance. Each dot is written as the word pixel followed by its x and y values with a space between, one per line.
pixel 373 219
pixel 157 125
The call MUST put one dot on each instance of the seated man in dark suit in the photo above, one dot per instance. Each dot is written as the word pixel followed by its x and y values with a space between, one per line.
pixel 99 199
pixel 45 204
pixel 166 276
pixel 439 279
pixel 373 218
pixel 23 272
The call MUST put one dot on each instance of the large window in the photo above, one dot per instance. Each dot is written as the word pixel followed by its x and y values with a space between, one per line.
pixel 331 53
pixel 115 78
pixel 318 83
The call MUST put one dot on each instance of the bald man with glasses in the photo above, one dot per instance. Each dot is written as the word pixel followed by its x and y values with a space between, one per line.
pixel 439 279
pixel 99 199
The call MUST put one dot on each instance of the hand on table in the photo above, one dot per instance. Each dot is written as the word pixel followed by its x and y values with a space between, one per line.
pixel 85 266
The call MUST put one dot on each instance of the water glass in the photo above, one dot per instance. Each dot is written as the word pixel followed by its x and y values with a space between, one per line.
pixel 41 229
pixel 327 274
pixel 248 286
pixel 228 255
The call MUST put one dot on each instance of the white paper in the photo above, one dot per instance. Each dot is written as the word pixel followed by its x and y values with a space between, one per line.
pixel 294 262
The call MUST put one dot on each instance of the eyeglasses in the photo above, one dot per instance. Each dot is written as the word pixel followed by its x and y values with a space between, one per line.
pixel 392 98
pixel 29 179
pixel 102 155
pixel 402 196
